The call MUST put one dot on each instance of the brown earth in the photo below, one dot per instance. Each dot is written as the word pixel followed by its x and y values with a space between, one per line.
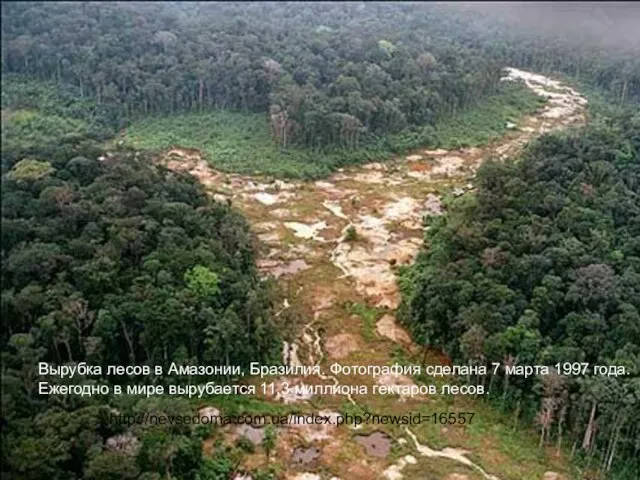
pixel 302 225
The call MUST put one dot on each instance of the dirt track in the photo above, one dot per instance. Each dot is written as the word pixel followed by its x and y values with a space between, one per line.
pixel 302 227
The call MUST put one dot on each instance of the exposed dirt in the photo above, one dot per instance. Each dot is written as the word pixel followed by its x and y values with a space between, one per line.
pixel 394 472
pixel 397 381
pixel 254 434
pixel 456 454
pixel 302 227
pixel 208 412
pixel 278 268
pixel 304 231
pixel 305 456
pixel 553 476
pixel 387 327
pixel 376 444
pixel 306 476
pixel 342 345
pixel 242 476
pixel 322 298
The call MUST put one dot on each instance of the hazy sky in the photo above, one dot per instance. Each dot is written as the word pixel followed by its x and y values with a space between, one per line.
pixel 605 23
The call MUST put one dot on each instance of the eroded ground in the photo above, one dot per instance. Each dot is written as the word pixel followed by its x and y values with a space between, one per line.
pixel 339 242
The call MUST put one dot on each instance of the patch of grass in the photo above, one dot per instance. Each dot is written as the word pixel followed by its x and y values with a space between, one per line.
pixel 244 444
pixel 240 404
pixel 487 121
pixel 238 142
pixel 242 143
pixel 49 120
pixel 440 468
pixel 352 410
pixel 369 315
pixel 518 444
pixel 270 473
pixel 602 104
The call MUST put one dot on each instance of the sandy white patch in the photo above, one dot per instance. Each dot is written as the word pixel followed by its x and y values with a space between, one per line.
pixel 305 231
pixel 342 345
pixel 335 208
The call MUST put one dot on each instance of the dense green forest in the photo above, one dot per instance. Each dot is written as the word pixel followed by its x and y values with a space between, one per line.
pixel 325 75
pixel 115 262
pixel 321 79
pixel 540 266
pixel 112 260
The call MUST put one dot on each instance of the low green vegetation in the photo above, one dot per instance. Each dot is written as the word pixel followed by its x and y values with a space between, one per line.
pixel 237 142
pixel 241 404
pixel 45 119
pixel 49 120
pixel 487 120
pixel 369 315
pixel 269 440
pixel 351 235
pixel 242 142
